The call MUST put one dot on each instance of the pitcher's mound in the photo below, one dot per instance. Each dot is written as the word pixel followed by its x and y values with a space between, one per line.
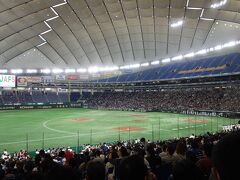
pixel 81 119
pixel 129 128
pixel 138 120
pixel 135 114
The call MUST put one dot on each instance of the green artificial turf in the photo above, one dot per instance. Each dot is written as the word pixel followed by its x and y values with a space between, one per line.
pixel 34 129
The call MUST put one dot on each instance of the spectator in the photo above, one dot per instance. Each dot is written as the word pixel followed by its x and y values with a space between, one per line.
pixel 205 164
pixel 133 167
pixel 226 158
pixel 186 170
pixel 95 170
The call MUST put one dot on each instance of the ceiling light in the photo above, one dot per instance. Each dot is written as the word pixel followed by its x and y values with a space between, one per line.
pixel 16 71
pixel 70 70
pixel 144 64
pixel 46 31
pixel 41 44
pixel 189 55
pixel 203 51
pixel 93 69
pixel 206 19
pixel 219 4
pixel 54 11
pixel 229 44
pixel 176 58
pixel 124 67
pixel 42 38
pixel 202 13
pixel 113 68
pixel 166 60
pixel 194 8
pixel 3 71
pixel 134 66
pixel 61 4
pixel 56 71
pixel 218 47
pixel 211 49
pixel 45 71
pixel 52 18
pixel 155 62
pixel 179 23
pixel 82 70
pixel 29 71
pixel 47 25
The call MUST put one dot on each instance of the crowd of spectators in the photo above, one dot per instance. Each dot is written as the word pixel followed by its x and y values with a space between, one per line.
pixel 9 97
pixel 168 100
pixel 209 156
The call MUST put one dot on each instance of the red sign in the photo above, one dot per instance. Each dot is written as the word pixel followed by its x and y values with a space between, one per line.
pixel 72 77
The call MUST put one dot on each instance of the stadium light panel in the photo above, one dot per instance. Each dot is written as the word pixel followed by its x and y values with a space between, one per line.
pixel 45 71
pixel 189 55
pixel 218 47
pixel 54 11
pixel 207 19
pixel 16 71
pixel 50 19
pixel 176 58
pixel 70 70
pixel 219 4
pixel 41 44
pixel 29 71
pixel 46 31
pixel 3 71
pixel 144 64
pixel 56 71
pixel 155 62
pixel 179 23
pixel 82 70
pixel 229 44
pixel 125 67
pixel 211 49
pixel 113 68
pixel 166 60
pixel 203 51
pixel 42 38
pixel 194 8
pixel 134 66
pixel 93 69
pixel 47 25
pixel 202 13
pixel 61 4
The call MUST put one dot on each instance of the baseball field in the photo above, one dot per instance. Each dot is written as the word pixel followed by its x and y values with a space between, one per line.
pixel 45 128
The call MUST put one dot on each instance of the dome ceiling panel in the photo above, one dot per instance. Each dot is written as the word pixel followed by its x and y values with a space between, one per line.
pixel 111 32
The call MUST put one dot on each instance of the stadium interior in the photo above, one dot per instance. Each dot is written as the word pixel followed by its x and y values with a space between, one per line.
pixel 119 89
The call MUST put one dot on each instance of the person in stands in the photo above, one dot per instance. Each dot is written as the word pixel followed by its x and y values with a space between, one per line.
pixel 95 170
pixel 226 158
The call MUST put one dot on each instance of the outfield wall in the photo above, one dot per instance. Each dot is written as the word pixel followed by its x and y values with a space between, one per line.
pixel 39 106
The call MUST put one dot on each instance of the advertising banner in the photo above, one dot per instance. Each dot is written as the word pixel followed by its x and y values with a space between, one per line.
pixel 22 81
pixel 84 77
pixel 72 78
pixel 60 77
pixel 47 79
pixel 7 80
